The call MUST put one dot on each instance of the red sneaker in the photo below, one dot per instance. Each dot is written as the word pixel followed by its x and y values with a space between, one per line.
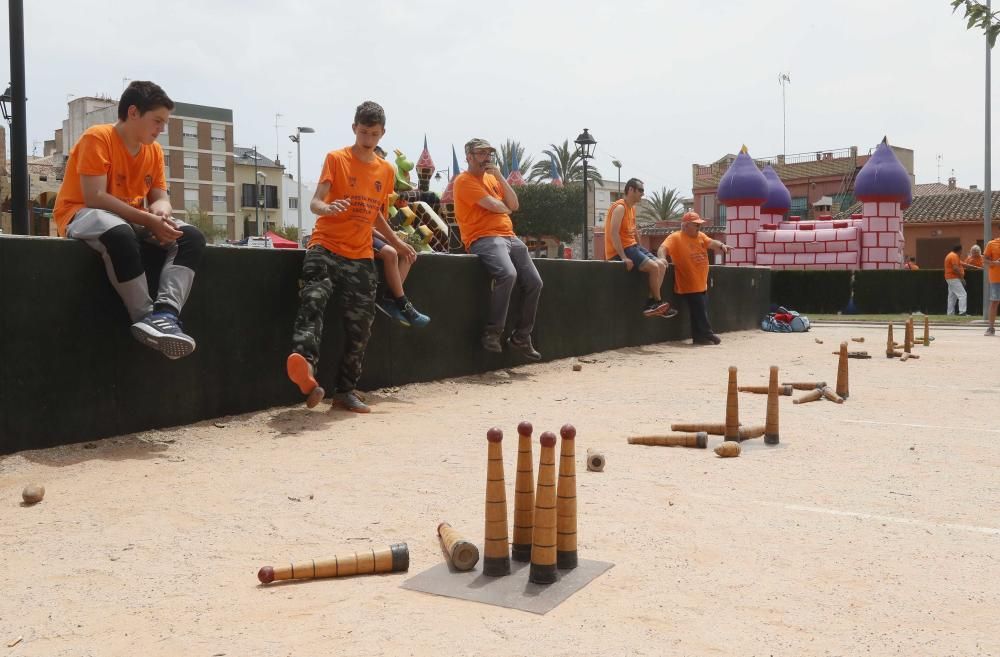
pixel 300 371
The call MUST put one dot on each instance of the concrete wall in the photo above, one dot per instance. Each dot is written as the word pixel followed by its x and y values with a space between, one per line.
pixel 71 371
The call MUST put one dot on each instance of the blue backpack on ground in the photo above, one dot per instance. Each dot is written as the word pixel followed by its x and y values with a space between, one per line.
pixel 783 320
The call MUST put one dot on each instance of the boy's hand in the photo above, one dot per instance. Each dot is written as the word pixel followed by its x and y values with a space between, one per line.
pixel 406 251
pixel 338 206
pixel 164 230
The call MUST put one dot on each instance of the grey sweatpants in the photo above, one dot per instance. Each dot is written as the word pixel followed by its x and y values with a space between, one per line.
pixel 508 262
pixel 119 244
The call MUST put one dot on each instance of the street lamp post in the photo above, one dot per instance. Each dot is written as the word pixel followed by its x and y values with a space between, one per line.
pixel 297 138
pixel 618 165
pixel 585 145
pixel 261 199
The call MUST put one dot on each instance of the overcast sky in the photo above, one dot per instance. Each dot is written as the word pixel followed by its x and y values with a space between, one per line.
pixel 660 84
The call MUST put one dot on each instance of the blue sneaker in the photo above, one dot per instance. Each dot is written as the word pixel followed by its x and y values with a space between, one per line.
pixel 163 332
pixel 413 317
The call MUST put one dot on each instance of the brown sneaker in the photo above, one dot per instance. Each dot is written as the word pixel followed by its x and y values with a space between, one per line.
pixel 491 342
pixel 300 371
pixel 349 401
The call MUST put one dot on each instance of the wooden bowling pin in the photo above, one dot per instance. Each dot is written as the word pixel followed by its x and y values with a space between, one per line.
pixel 842 372
pixel 544 537
pixel 524 495
pixel 771 418
pixel 908 336
pixel 462 554
pixel 829 393
pixel 392 559
pixel 496 558
pixel 783 390
pixel 732 407
pixel 890 343
pixel 595 460
pixel 927 331
pixel 809 397
pixel 805 385
pixel 699 440
pixel 711 428
pixel 566 500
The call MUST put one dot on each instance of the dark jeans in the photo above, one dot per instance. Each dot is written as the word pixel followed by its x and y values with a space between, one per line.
pixel 697 304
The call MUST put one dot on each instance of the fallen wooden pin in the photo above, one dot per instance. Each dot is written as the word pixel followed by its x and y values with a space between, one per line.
pixel 857 339
pixel 806 385
pixel 712 429
pixel 783 390
pixel 699 440
pixel 814 395
pixel 853 354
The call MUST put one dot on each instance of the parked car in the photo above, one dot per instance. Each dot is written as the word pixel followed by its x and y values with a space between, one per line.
pixel 260 243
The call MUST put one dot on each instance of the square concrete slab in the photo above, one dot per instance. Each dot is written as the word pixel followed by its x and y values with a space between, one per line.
pixel 513 591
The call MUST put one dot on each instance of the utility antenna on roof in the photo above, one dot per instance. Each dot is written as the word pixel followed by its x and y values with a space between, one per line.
pixel 939 166
pixel 783 79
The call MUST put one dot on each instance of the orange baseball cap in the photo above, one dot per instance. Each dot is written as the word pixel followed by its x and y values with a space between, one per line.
pixel 692 217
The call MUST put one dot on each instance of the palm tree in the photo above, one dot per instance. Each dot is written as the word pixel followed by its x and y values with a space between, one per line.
pixel 663 205
pixel 511 151
pixel 568 165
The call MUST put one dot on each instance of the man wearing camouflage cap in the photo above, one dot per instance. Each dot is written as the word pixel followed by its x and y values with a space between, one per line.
pixel 483 203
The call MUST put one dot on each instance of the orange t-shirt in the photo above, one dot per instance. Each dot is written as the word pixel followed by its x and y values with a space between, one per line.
pixel 975 261
pixel 992 251
pixel 626 231
pixel 690 258
pixel 367 186
pixel 101 152
pixel 950 262
pixel 475 221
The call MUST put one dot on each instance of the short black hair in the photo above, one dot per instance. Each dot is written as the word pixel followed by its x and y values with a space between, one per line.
pixel 369 113
pixel 634 183
pixel 956 248
pixel 146 96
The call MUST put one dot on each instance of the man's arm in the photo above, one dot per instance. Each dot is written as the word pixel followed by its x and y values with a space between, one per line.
pixel 716 245
pixel 159 202
pixel 509 195
pixel 616 239
pixel 319 206
pixel 95 196
pixel 383 228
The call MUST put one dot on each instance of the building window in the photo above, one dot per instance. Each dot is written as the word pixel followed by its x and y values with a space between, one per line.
pixel 709 210
pixel 191 199
pixel 293 203
pixel 191 162
pixel 249 196
pixel 219 133
pixel 799 207
pixel 218 194
pixel 271 196
pixel 218 165
pixel 190 129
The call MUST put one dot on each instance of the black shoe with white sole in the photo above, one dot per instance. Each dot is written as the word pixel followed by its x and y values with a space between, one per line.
pixel 162 331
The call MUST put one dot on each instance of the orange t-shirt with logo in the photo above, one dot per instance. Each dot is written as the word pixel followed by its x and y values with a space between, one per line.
pixel 101 152
pixel 690 258
pixel 626 231
pixel 950 262
pixel 367 186
pixel 975 261
pixel 992 251
pixel 475 221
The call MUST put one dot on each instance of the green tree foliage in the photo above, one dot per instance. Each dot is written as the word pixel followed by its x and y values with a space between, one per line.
pixel 568 164
pixel 663 205
pixel 509 151
pixel 979 16
pixel 203 222
pixel 547 210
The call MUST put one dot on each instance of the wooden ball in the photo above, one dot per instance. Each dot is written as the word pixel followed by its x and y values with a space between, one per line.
pixel 494 435
pixel 728 449
pixel 525 428
pixel 568 432
pixel 33 493
pixel 548 439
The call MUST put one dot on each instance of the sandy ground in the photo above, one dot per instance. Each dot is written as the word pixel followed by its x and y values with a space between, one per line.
pixel 871 530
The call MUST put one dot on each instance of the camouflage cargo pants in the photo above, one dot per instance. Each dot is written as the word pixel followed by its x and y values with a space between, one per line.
pixel 354 282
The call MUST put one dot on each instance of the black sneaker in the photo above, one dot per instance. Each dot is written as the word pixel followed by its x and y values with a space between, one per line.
pixel 524 346
pixel 349 401
pixel 491 342
pixel 162 331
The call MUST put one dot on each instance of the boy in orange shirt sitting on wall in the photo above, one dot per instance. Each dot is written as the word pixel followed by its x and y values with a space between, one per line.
pixel 114 198
pixel 351 196
pixel 688 251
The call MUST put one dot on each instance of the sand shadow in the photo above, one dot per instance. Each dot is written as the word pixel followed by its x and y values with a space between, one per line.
pixel 119 448
pixel 496 378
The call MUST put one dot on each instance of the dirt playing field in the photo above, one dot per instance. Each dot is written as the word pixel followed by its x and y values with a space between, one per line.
pixel 872 529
